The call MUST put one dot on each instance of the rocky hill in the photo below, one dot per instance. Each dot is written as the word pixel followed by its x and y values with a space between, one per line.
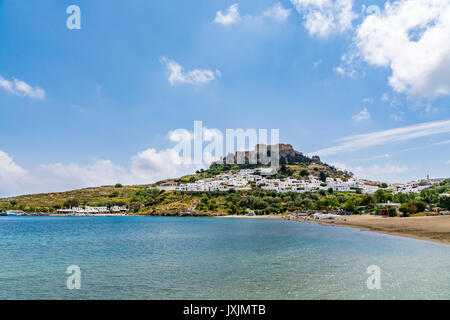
pixel 287 156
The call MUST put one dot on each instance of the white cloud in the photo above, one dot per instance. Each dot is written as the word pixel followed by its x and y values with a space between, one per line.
pixel 232 15
pixel 72 175
pixel 361 116
pixel 410 38
pixel 145 167
pixel 448 162
pixel 9 170
pixel 363 141
pixel 12 177
pixel 196 76
pixel 6 84
pixel 153 165
pixel 277 12
pixel 324 17
pixel 19 87
pixel 350 67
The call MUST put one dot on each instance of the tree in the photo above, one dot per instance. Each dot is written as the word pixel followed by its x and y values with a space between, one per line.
pixel 429 195
pixel 383 185
pixel 304 173
pixel 114 194
pixel 417 206
pixel 349 205
pixel 118 185
pixel 71 203
pixel 366 199
pixel 322 176
pixel 444 202
pixel 289 171
pixel 382 196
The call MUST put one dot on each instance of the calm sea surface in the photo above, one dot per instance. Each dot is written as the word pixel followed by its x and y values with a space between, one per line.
pixel 212 258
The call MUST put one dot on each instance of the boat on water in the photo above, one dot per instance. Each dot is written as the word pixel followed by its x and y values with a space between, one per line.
pixel 13 213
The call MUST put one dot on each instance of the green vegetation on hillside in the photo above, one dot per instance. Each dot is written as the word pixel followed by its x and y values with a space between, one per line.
pixel 149 200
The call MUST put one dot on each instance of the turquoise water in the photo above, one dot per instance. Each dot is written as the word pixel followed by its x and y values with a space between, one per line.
pixel 212 258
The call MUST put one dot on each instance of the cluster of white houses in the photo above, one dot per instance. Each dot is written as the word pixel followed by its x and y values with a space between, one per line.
pixel 248 178
pixel 93 210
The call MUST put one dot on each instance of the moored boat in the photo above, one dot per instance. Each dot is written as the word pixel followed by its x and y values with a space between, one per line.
pixel 14 213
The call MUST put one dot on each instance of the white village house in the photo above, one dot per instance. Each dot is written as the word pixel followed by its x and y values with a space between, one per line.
pixel 244 179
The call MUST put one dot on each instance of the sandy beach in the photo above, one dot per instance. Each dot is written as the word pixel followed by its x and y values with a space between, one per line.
pixel 431 228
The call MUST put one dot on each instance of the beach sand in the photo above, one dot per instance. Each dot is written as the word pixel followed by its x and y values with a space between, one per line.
pixel 431 228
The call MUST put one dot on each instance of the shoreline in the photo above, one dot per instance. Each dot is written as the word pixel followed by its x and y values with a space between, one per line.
pixel 429 228
pixel 236 216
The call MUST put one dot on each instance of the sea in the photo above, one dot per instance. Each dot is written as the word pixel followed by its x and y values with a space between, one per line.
pixel 213 258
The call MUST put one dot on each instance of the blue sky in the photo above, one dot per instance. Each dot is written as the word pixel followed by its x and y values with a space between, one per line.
pixel 95 106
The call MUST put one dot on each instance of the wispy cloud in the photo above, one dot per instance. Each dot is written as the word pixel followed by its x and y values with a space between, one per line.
pixel 361 116
pixel 441 143
pixel 317 63
pixel 196 76
pixel 363 141
pixel 21 88
pixel 232 16
pixel 324 17
pixel 277 12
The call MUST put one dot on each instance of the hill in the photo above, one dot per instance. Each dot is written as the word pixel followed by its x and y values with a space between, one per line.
pixel 152 200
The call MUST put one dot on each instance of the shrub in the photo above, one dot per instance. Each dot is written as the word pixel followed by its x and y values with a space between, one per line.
pixel 114 194
pixel 404 209
pixel 417 206
pixel 392 212
pixel 304 173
